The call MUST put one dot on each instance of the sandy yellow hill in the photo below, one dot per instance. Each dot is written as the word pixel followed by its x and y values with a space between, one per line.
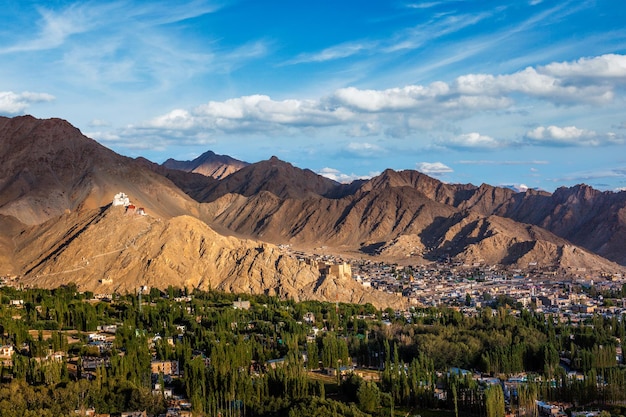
pixel 112 249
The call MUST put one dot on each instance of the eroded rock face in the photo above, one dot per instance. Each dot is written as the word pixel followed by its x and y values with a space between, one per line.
pixel 394 204
pixel 114 249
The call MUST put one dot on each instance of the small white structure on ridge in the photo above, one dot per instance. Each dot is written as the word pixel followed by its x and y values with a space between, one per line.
pixel 121 199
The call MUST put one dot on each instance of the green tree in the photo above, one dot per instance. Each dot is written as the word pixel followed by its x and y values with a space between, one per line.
pixel 494 401
pixel 368 396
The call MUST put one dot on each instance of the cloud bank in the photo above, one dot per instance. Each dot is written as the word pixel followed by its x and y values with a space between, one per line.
pixel 403 111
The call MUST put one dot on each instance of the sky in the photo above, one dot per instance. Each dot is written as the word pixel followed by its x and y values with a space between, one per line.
pixel 520 93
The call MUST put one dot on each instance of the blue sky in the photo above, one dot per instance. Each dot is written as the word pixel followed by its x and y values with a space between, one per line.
pixel 507 93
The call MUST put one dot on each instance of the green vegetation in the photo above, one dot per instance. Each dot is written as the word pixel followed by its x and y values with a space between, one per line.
pixel 268 360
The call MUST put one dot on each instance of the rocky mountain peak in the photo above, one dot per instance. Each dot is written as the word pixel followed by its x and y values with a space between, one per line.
pixel 56 184
pixel 208 164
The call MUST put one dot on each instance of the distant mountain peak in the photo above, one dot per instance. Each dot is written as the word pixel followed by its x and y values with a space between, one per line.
pixel 208 164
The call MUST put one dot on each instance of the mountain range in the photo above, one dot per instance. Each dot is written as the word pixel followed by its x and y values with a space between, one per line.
pixel 216 222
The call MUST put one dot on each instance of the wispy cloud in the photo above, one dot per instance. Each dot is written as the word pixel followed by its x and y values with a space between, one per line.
pixel 53 28
pixel 416 37
pixel 583 176
pixel 56 26
pixel 100 45
pixel 344 50
pixel 497 162
pixel 424 5
pixel 406 39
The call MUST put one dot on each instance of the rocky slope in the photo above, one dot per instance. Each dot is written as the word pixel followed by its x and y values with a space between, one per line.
pixel 399 223
pixel 275 176
pixel 56 226
pixel 208 164
pixel 112 249
pixel 48 168
pixel 375 213
pixel 590 218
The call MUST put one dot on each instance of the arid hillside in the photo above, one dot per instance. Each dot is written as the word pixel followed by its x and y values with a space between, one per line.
pixel 57 223
pixel 49 167
pixel 298 207
pixel 116 249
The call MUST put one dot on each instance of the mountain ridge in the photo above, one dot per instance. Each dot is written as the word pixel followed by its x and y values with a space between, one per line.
pixel 57 185
pixel 208 164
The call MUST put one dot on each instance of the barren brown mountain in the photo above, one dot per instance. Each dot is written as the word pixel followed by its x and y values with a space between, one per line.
pixel 208 164
pixel 278 177
pixel 399 222
pixel 56 225
pixel 378 213
pixel 116 249
pixel 48 167
pixel 589 218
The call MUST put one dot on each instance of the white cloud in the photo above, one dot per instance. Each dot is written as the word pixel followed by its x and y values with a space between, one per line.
pixel 393 99
pixel 532 83
pixel 250 113
pixel 433 168
pixel 473 140
pixel 14 103
pixel 472 93
pixel 335 52
pixel 399 112
pixel 520 188
pixel 568 135
pixel 336 175
pixel 605 67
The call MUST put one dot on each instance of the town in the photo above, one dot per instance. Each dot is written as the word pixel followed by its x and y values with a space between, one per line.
pixel 162 342
pixel 568 295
